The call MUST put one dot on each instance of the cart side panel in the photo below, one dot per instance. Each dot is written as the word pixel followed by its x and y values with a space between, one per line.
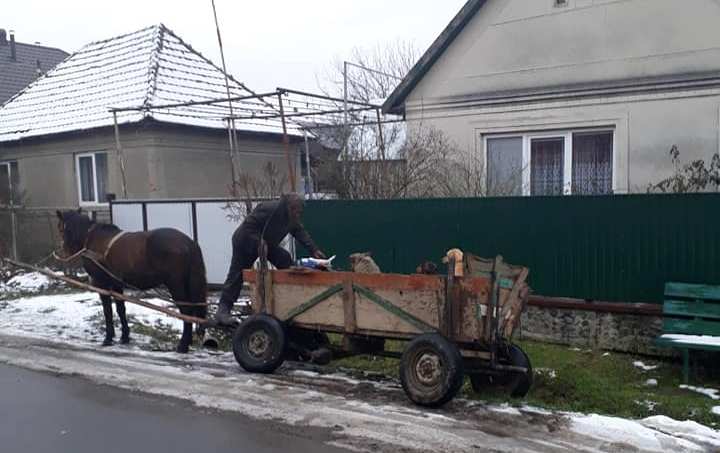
pixel 288 297
pixel 423 305
pixel 474 292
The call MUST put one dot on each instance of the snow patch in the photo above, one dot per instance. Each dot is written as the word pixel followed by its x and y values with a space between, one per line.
pixel 712 393
pixel 549 372
pixel 642 366
pixel 715 410
pixel 642 435
pixel 30 282
pixel 651 383
pixel 650 405
pixel 692 431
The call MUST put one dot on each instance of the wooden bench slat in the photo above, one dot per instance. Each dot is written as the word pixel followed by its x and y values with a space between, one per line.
pixel 687 290
pixel 691 326
pixel 696 308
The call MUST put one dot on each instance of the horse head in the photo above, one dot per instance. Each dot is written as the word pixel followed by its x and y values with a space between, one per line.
pixel 73 227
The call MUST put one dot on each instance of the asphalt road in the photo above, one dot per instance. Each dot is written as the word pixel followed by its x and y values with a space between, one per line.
pixel 42 413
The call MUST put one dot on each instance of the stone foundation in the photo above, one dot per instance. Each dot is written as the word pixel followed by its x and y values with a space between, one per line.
pixel 621 332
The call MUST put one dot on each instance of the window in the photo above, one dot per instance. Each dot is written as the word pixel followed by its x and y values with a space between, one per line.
pixel 9 183
pixel 504 160
pixel 592 163
pixel 547 163
pixel 92 174
pixel 564 163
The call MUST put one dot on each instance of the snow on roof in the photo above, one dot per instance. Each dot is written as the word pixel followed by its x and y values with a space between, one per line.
pixel 146 68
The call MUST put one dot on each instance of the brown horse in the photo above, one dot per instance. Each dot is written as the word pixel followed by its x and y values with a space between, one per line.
pixel 115 260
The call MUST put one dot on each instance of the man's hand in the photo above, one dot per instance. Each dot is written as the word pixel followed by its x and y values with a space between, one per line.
pixel 319 255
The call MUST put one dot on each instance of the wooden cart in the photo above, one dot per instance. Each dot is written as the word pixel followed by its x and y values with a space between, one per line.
pixel 457 324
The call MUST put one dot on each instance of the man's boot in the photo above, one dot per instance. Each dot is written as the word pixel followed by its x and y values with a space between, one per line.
pixel 223 316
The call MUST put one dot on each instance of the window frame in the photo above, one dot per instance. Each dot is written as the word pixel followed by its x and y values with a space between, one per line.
pixel 11 177
pixel 78 175
pixel 567 135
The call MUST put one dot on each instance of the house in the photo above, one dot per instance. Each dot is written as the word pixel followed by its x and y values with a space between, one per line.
pixel 572 96
pixel 60 150
pixel 21 63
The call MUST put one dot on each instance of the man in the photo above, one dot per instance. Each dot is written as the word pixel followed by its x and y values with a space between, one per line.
pixel 271 221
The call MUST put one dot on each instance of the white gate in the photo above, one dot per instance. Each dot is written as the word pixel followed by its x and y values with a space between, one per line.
pixel 209 222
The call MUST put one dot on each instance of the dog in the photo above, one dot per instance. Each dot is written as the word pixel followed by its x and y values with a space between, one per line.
pixel 362 263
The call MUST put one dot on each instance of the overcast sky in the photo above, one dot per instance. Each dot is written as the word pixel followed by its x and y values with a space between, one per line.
pixel 268 43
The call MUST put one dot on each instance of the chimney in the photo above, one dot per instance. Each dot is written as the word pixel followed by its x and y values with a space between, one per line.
pixel 3 37
pixel 13 54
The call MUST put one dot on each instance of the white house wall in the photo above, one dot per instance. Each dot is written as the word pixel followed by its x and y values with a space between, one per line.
pixel 529 44
pixel 645 129
pixel 527 47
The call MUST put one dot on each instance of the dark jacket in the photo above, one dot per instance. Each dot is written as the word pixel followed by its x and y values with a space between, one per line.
pixel 274 219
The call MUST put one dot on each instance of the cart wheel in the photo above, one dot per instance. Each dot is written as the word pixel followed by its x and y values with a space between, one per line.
pixel 259 344
pixel 431 370
pixel 519 383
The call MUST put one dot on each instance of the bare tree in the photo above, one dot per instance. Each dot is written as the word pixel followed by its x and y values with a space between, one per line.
pixel 696 176
pixel 270 182
pixel 395 159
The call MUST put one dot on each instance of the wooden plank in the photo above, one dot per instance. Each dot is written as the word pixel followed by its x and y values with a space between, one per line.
pixel 692 291
pixel 269 294
pixel 685 344
pixel 349 306
pixel 692 308
pixel 394 282
pixel 691 326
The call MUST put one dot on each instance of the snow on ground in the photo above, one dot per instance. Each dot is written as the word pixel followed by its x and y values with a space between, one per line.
pixel 658 433
pixel 31 282
pixel 651 383
pixel 650 405
pixel 712 393
pixel 72 319
pixel 642 366
pixel 547 372
pixel 69 316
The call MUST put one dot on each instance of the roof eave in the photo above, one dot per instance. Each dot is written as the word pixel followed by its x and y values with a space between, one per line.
pixel 395 102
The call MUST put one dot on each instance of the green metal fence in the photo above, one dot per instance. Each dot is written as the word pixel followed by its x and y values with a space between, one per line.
pixel 610 248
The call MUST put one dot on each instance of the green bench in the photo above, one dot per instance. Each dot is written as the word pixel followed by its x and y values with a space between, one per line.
pixel 691 320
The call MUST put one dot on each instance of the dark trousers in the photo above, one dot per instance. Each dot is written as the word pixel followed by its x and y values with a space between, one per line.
pixel 245 252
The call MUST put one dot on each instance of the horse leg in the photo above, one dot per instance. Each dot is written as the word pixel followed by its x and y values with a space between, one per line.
pixel 178 294
pixel 109 327
pixel 120 307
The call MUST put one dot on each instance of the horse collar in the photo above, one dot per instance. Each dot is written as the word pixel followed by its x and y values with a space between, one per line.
pixel 112 242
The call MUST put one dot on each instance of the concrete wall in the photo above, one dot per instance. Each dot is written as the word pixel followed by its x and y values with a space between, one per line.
pixel 161 161
pixel 523 66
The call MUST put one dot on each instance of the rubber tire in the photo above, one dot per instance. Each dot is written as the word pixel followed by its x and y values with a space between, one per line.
pixel 451 364
pixel 519 383
pixel 275 332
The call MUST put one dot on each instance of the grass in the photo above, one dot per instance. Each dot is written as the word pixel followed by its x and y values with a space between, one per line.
pixel 588 382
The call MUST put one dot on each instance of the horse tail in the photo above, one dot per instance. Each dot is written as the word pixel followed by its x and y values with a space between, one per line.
pixel 197 281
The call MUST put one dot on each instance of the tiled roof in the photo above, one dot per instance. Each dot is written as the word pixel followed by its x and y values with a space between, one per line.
pixel 17 74
pixel 150 67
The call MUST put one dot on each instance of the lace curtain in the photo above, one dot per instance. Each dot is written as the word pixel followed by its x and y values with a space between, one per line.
pixel 546 166
pixel 592 163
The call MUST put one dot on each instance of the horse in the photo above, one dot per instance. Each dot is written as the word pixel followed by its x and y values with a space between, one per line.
pixel 116 260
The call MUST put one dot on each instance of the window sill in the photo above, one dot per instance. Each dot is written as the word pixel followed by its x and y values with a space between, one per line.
pixel 89 205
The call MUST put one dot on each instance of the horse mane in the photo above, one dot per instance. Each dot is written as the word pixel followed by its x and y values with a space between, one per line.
pixel 105 228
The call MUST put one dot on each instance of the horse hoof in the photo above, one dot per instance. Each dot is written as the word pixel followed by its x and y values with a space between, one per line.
pixel 124 340
pixel 107 342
